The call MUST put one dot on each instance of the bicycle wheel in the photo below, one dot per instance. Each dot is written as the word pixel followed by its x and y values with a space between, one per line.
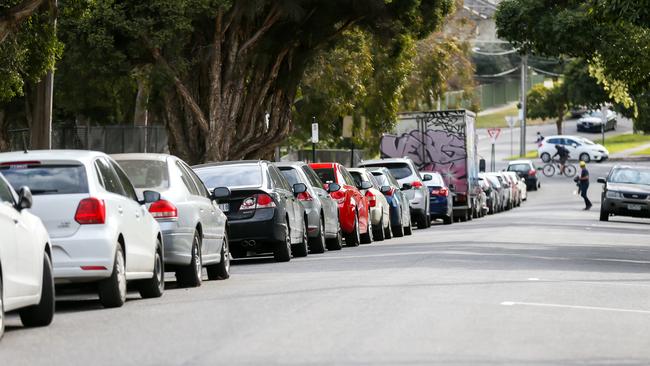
pixel 548 170
pixel 569 171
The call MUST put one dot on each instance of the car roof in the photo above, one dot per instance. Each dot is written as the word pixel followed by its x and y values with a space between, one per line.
pixel 142 156
pixel 323 165
pixel 387 160
pixel 294 164
pixel 75 155
pixel 233 162
pixel 523 161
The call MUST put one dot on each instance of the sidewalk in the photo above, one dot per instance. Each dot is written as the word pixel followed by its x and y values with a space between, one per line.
pixel 625 154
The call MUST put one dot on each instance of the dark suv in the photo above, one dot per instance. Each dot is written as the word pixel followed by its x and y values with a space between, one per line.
pixel 626 192
pixel 526 170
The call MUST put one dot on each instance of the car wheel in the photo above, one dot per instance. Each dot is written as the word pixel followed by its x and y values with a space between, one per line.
pixel 354 238
pixel 301 249
pixel 408 230
pixel 221 270
pixel 398 231
pixel 154 286
pixel 191 275
pixel 337 242
pixel 585 157
pixel 447 220
pixel 368 237
pixel 2 309
pixel 41 314
pixel 112 290
pixel 388 233
pixel 604 214
pixel 282 251
pixel 317 244
pixel 379 234
pixel 546 157
pixel 422 221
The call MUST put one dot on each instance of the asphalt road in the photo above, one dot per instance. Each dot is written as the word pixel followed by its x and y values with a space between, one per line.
pixel 544 284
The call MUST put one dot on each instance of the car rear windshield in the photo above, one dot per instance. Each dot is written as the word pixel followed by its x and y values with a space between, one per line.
pixel 231 176
pixel 630 176
pixel 399 170
pixel 44 179
pixel 326 175
pixel 146 173
pixel 519 168
pixel 290 174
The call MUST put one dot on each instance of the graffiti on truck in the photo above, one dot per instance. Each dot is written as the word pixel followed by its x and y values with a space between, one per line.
pixel 444 152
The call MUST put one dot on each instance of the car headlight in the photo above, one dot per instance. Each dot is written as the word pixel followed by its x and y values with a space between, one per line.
pixel 613 194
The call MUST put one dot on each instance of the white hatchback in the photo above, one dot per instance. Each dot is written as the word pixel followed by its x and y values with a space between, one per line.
pixel 579 148
pixel 99 230
pixel 25 266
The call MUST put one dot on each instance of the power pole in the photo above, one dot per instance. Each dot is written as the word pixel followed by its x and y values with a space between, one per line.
pixel 524 83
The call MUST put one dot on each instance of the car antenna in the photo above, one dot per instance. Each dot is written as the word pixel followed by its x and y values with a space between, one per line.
pixel 24 144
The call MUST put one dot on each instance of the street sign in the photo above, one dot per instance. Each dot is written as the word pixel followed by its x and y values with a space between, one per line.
pixel 348 122
pixel 314 133
pixel 511 121
pixel 494 134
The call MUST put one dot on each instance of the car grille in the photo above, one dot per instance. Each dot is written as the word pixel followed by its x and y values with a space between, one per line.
pixel 635 196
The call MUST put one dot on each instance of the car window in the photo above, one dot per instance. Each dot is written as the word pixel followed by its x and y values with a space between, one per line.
pixel 203 191
pixel 554 141
pixel 381 179
pixel 312 176
pixel 357 178
pixel 278 179
pixel 146 174
pixel 43 179
pixel 290 174
pixel 187 180
pixel 5 193
pixel 326 175
pixel 110 181
pixel 399 170
pixel 245 175
pixel 347 177
pixel 571 142
pixel 519 168
pixel 373 180
pixel 126 183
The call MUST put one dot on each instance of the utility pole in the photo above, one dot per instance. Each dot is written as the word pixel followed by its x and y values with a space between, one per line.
pixel 522 111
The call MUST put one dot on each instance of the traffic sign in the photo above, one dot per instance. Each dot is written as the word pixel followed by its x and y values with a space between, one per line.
pixel 314 133
pixel 494 134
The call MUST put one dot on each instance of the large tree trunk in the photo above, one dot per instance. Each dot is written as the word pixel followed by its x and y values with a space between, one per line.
pixel 4 132
pixel 558 123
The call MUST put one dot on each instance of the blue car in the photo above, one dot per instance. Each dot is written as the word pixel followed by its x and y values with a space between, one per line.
pixel 441 203
pixel 400 212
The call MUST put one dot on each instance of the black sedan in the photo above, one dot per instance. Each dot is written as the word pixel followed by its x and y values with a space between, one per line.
pixel 263 213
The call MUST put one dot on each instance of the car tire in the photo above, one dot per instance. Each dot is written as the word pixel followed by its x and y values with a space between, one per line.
pixel 154 286
pixel 282 252
pixel 585 157
pixel 191 275
pixel 604 215
pixel 368 237
pixel 421 221
pixel 354 238
pixel 41 314
pixel 447 220
pixel 112 290
pixel 379 233
pixel 2 308
pixel 408 230
pixel 388 233
pixel 546 157
pixel 301 249
pixel 398 231
pixel 221 270
pixel 335 243
pixel 317 244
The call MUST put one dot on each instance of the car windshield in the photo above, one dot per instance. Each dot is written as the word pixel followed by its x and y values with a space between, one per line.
pixel 290 174
pixel 519 168
pixel 43 179
pixel 146 173
pixel 326 175
pixel 249 175
pixel 399 170
pixel 585 141
pixel 630 176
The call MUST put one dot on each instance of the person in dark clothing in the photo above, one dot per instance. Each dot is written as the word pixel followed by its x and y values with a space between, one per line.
pixel 583 184
pixel 539 139
pixel 563 154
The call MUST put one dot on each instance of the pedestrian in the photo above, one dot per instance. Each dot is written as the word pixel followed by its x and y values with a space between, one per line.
pixel 539 139
pixel 583 184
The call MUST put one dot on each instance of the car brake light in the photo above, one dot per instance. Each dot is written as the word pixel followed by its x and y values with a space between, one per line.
pixel 532 172
pixel 163 210
pixel 304 196
pixel 390 192
pixel 416 184
pixel 339 196
pixel 261 200
pixel 90 211
pixel 20 163
pixel 372 200
pixel 442 192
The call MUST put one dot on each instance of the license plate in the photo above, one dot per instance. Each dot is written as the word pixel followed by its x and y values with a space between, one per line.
pixel 225 207
pixel 634 207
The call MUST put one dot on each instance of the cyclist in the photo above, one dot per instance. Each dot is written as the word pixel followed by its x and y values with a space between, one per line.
pixel 563 154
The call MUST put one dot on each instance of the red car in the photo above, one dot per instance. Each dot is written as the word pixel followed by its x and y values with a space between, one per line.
pixel 353 206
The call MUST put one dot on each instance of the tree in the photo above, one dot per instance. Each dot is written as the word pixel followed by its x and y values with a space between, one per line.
pixel 547 103
pixel 12 16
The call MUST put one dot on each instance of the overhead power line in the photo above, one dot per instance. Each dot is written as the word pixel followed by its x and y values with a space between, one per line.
pixel 499 74
pixel 501 53
pixel 545 72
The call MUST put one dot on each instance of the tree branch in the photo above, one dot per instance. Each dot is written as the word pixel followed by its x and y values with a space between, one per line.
pixel 271 18
pixel 15 15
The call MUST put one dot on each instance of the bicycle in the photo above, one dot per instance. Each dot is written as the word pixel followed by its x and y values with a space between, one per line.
pixel 554 166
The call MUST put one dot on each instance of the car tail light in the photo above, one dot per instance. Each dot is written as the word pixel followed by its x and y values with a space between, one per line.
pixel 416 184
pixel 20 163
pixel 304 196
pixel 441 192
pixel 390 192
pixel 261 200
pixel 339 196
pixel 163 210
pixel 372 200
pixel 90 211
pixel 532 172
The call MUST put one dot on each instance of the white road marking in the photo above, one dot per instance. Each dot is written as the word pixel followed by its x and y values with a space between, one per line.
pixel 533 279
pixel 580 307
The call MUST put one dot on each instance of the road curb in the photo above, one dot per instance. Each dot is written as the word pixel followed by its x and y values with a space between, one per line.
pixel 630 159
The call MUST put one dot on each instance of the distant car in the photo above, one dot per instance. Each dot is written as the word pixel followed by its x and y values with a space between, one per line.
pixel 100 231
pixel 264 215
pixel 526 170
pixel 354 210
pixel 400 212
pixel 521 186
pixel 379 208
pixel 504 189
pixel 626 192
pixel 441 203
pixel 323 227
pixel 492 201
pixel 404 170
pixel 26 280
pixel 579 148
pixel 514 187
pixel 593 121
pixel 193 226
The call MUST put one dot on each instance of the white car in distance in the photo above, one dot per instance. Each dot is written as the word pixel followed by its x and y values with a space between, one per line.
pixel 100 232
pixel 579 148
pixel 26 283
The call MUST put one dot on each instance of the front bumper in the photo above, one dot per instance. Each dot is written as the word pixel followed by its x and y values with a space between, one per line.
pixel 627 207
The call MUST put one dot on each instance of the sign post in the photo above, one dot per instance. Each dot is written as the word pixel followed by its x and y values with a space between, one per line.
pixel 511 121
pixel 603 110
pixel 314 139
pixel 494 135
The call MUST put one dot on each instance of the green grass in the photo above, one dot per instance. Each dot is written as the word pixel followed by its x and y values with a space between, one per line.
pixel 624 142
pixel 642 152
pixel 498 119
pixel 532 154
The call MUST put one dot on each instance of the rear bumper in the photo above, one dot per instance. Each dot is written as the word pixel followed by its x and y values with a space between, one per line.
pixel 92 247
pixel 263 228
pixel 439 207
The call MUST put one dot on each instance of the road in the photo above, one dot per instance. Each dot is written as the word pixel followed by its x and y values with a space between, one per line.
pixel 544 284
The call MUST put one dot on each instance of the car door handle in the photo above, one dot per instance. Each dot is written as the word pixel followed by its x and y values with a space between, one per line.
pixel 16 221
pixel 120 210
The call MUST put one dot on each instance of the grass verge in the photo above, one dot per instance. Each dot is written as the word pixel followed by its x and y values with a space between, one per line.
pixel 624 142
pixel 532 154
pixel 643 152
pixel 498 119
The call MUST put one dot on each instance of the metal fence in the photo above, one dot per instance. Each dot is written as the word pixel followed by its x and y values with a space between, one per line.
pixel 108 139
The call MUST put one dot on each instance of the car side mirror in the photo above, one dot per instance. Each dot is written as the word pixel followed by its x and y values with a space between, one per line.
pixel 365 185
pixel 384 189
pixel 427 177
pixel 406 186
pixel 220 193
pixel 601 180
pixel 150 197
pixel 299 188
pixel 25 199
pixel 333 187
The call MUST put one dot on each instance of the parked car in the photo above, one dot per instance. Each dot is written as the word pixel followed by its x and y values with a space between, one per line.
pixel 404 170
pixel 400 212
pixel 626 192
pixel 354 213
pixel 492 201
pixel 377 203
pixel 526 170
pixel 263 212
pixel 441 203
pixel 592 121
pixel 100 231
pixel 323 227
pixel 193 226
pixel 26 280
pixel 520 183
pixel 514 188
pixel 504 189
pixel 579 148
